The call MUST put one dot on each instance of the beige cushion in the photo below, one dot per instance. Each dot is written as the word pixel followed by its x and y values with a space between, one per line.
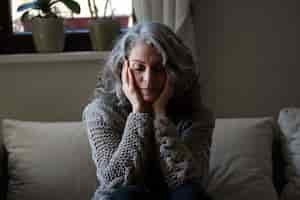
pixel 48 160
pixel 289 122
pixel 241 159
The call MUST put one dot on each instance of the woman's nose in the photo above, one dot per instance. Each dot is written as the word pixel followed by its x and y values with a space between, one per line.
pixel 148 78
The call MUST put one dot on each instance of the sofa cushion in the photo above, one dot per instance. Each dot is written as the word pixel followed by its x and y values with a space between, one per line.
pixel 48 160
pixel 241 159
pixel 289 122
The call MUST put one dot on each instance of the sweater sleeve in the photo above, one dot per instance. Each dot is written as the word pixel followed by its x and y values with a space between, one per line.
pixel 117 144
pixel 183 150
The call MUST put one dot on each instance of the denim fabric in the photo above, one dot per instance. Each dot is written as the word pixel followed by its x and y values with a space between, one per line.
pixel 189 191
pixel 183 192
pixel 130 193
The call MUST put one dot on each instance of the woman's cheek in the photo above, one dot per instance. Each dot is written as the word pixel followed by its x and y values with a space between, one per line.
pixel 136 78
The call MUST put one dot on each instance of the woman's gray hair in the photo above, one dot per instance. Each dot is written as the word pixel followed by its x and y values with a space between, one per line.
pixel 176 58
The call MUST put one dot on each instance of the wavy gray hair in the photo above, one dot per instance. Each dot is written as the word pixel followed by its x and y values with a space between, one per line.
pixel 176 58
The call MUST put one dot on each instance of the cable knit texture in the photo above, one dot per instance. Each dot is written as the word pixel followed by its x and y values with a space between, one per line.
pixel 121 145
pixel 176 159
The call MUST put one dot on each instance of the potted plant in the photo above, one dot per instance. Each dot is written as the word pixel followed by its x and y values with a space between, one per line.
pixel 103 30
pixel 47 25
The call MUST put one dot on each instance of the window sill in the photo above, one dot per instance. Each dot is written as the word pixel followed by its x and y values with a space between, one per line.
pixel 54 57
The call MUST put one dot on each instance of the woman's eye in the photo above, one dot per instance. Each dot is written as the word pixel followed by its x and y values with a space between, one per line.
pixel 138 67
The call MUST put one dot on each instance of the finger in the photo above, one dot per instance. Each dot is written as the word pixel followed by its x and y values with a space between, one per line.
pixel 124 72
pixel 130 78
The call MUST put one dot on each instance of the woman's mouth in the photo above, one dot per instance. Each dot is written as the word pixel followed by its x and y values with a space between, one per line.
pixel 148 92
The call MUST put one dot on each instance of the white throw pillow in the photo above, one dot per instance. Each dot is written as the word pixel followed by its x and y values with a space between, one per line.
pixel 289 122
pixel 48 160
pixel 241 159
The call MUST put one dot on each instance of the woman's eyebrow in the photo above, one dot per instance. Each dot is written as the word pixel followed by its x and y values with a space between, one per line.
pixel 142 62
pixel 139 61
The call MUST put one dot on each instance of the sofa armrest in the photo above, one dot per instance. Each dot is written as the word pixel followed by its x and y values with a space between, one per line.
pixel 278 161
pixel 3 184
pixel 3 172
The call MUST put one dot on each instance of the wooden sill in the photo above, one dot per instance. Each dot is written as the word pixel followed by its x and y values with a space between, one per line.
pixel 54 57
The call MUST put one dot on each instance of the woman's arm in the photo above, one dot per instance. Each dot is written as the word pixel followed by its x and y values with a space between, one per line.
pixel 183 150
pixel 119 158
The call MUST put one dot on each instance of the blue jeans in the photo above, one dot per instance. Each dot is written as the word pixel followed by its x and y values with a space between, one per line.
pixel 184 192
pixel 189 191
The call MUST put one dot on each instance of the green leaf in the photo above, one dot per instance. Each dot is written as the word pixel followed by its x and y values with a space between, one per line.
pixel 44 6
pixel 25 16
pixel 71 4
pixel 26 6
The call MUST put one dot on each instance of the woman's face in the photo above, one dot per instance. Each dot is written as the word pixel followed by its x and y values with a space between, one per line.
pixel 145 63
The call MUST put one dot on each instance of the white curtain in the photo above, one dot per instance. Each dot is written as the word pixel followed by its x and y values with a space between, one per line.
pixel 177 14
pixel 170 12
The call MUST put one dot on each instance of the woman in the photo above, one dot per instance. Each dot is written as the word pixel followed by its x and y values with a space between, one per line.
pixel 149 133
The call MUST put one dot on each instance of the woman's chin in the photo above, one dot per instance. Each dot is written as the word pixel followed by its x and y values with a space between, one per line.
pixel 149 99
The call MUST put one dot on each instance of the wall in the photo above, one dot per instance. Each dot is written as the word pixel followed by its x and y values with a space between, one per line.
pixel 47 87
pixel 205 19
pixel 249 50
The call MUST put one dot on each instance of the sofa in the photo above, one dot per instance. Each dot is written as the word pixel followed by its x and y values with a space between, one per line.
pixel 251 158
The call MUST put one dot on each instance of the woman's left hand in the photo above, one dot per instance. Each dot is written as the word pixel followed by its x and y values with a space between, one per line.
pixel 159 106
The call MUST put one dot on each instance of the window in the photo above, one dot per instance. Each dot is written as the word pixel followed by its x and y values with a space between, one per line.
pixel 121 9
pixel 16 35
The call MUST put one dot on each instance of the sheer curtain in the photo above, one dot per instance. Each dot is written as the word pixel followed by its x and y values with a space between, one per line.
pixel 177 14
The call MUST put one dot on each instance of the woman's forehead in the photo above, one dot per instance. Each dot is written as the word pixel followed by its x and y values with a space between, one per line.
pixel 145 52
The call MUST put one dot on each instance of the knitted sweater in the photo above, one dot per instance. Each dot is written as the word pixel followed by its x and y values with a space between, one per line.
pixel 123 143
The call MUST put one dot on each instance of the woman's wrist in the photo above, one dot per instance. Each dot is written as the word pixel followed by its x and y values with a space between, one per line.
pixel 142 109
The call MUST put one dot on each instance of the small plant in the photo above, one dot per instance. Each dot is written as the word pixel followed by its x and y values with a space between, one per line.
pixel 94 11
pixel 46 8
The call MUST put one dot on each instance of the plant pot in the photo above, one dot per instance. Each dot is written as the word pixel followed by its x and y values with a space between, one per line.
pixel 103 33
pixel 48 34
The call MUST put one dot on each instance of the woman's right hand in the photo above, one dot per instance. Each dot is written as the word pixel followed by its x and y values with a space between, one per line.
pixel 131 91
